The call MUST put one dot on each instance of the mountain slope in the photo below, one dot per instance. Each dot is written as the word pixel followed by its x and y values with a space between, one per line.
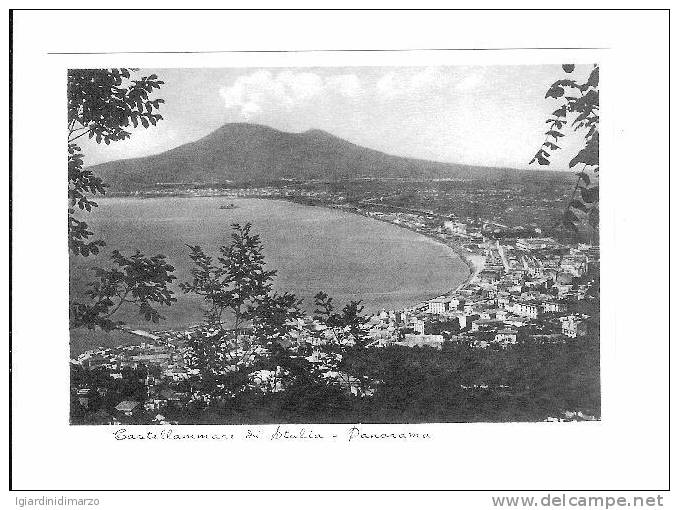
pixel 249 152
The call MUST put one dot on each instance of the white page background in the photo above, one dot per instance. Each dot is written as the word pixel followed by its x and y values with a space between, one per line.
pixel 628 449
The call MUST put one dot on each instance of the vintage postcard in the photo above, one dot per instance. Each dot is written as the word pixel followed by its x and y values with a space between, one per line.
pixel 334 245
pixel 340 250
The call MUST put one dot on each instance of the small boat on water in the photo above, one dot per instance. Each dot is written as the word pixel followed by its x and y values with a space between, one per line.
pixel 228 206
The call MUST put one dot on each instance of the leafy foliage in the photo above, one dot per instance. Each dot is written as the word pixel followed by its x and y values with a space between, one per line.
pixel 526 382
pixel 237 282
pixel 86 181
pixel 80 183
pixel 237 287
pixel 354 322
pixel 247 338
pixel 346 326
pixel 348 336
pixel 274 317
pixel 137 280
pixel 102 103
pixel 580 106
pixel 256 374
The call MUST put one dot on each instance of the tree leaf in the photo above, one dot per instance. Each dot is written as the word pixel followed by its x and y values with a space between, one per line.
pixel 555 91
pixel 593 80
pixel 589 155
pixel 593 217
pixel 542 160
pixel 590 195
pixel 576 204
pixel 561 112
pixel 570 216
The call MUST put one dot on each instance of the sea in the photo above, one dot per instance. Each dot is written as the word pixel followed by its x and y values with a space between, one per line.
pixel 312 248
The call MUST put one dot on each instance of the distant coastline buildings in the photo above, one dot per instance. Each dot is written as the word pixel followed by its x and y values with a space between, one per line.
pixel 520 289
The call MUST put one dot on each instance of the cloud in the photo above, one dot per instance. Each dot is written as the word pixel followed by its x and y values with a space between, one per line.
pixel 471 81
pixel 249 109
pixel 263 90
pixel 427 80
pixel 347 85
pixel 248 92
pixel 299 86
pixel 388 87
pixel 430 80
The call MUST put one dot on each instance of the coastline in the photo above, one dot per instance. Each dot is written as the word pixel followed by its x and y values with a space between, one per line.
pixel 474 263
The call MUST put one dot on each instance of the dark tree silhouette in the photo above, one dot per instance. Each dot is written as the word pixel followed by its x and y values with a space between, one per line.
pixel 346 326
pixel 238 292
pixel 354 322
pixel 139 281
pixel 274 317
pixel 102 104
pixel 237 283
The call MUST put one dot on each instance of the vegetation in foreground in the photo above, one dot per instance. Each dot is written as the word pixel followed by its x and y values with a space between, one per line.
pixel 306 381
pixel 254 360
pixel 528 382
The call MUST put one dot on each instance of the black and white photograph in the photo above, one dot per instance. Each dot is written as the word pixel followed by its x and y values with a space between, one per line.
pixel 334 245
pixel 360 251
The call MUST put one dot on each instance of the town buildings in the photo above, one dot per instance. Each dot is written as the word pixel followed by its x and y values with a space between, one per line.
pixel 523 288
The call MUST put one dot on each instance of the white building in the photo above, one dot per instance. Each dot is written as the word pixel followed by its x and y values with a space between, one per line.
pixel 437 306
pixel 442 305
pixel 422 341
pixel 506 336
pixel 536 243
pixel 554 306
pixel 526 309
pixel 418 326
pixel 454 303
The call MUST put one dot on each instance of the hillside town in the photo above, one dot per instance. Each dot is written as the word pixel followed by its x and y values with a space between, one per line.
pixel 520 288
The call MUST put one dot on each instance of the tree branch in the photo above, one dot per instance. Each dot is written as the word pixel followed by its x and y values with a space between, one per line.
pixel 74 139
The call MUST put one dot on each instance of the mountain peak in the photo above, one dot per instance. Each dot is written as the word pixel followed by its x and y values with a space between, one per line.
pixel 246 152
pixel 318 133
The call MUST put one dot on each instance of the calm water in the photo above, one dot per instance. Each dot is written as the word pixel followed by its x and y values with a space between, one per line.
pixel 313 248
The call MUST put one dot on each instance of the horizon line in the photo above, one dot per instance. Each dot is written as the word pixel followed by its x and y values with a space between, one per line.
pixel 479 165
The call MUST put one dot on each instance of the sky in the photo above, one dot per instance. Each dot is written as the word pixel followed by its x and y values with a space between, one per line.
pixel 482 115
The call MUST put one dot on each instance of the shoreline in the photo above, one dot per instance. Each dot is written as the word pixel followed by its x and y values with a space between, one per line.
pixel 474 263
pixel 473 267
